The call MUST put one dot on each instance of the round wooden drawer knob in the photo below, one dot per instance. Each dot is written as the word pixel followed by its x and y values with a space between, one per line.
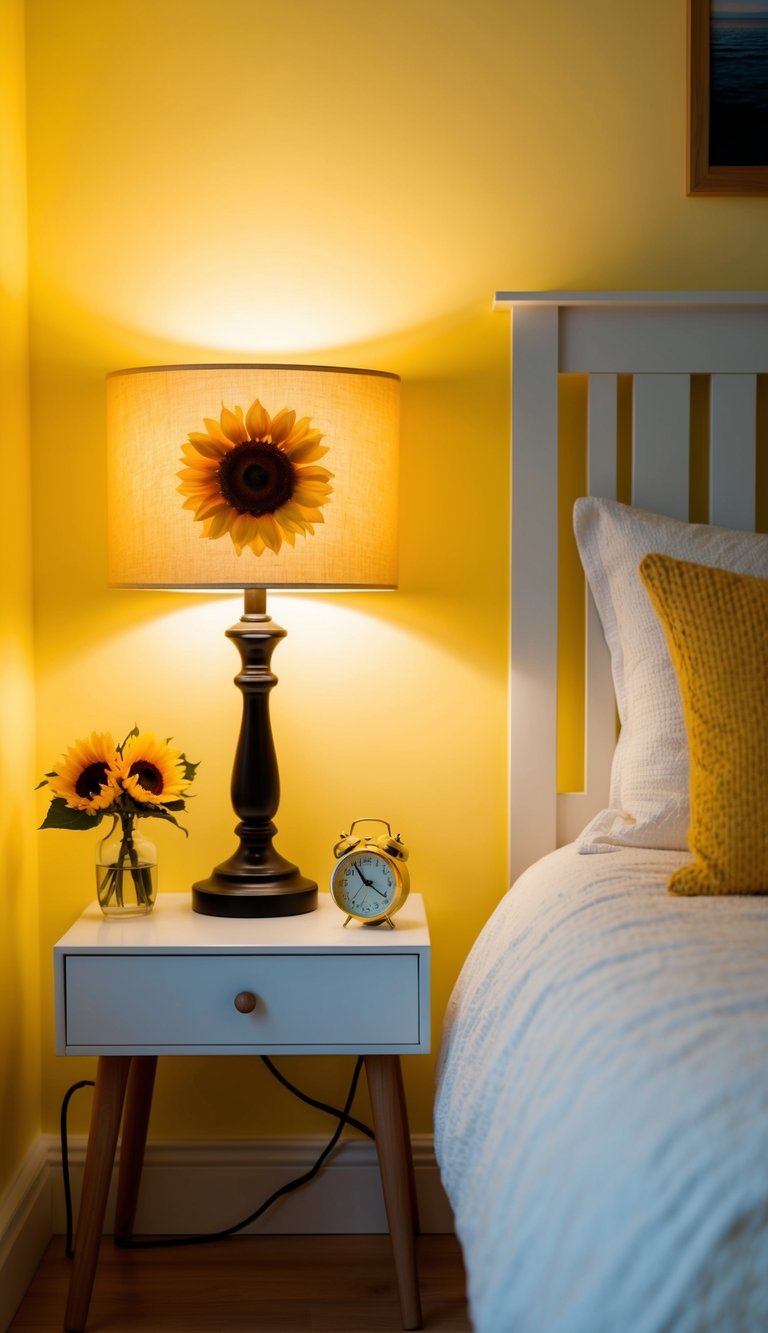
pixel 245 1002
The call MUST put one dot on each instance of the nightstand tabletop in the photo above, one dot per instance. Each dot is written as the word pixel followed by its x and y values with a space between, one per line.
pixel 173 927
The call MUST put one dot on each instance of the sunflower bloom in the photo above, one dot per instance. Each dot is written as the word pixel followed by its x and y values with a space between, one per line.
pixel 255 477
pixel 150 771
pixel 87 778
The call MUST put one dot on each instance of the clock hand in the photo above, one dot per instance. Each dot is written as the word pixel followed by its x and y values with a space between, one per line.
pixel 369 884
pixel 364 885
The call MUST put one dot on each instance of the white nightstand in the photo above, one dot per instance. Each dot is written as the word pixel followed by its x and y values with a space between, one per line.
pixel 167 984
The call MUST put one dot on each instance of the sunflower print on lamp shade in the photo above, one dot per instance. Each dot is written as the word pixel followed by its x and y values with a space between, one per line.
pixel 255 477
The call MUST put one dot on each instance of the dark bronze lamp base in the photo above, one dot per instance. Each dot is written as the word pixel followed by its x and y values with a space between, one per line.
pixel 218 896
pixel 256 881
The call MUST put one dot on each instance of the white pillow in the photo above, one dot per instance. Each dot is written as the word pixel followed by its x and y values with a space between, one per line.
pixel 649 805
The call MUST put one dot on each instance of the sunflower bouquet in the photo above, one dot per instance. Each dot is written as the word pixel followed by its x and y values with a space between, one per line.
pixel 140 778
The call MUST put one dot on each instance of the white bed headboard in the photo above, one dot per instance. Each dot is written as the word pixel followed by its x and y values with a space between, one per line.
pixel 661 339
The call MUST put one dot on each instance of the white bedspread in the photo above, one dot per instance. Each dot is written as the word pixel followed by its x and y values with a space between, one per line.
pixel 602 1107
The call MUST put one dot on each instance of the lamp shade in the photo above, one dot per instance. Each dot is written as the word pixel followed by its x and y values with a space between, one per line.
pixel 213 482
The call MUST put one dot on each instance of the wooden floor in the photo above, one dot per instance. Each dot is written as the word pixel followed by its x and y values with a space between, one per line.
pixel 259 1284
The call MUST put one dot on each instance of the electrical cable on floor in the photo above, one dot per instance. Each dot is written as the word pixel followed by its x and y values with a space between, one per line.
pixel 165 1242
pixel 84 1083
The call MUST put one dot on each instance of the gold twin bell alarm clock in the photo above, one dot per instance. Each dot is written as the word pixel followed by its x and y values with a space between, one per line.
pixel 371 881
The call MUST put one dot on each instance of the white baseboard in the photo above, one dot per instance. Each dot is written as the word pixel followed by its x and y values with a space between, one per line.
pixel 25 1228
pixel 195 1187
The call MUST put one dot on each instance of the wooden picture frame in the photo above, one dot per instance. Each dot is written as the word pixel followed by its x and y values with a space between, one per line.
pixel 704 176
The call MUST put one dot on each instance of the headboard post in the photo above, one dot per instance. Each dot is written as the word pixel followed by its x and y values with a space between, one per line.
pixel 532 703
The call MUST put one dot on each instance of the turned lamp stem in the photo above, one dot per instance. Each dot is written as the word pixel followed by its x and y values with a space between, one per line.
pixel 256 881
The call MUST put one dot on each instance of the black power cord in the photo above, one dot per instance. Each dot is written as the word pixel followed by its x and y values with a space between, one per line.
pixel 312 1101
pixel 84 1083
pixel 165 1242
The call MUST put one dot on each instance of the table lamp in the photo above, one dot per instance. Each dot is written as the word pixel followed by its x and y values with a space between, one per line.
pixel 253 477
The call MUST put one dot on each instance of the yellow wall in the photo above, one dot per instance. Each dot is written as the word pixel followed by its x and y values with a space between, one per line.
pixel 19 976
pixel 347 181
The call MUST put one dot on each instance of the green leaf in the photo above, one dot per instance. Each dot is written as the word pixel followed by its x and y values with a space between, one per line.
pixel 133 732
pixel 162 812
pixel 61 815
pixel 145 811
pixel 131 806
pixel 189 768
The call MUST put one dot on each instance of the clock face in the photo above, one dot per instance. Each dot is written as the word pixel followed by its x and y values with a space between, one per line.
pixel 364 884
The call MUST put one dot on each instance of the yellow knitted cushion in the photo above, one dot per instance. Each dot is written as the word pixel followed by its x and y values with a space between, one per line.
pixel 716 625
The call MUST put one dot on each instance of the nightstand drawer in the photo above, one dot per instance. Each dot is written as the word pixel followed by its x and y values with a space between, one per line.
pixel 157 1001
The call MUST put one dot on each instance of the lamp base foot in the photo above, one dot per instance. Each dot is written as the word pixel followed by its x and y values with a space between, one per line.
pixel 288 896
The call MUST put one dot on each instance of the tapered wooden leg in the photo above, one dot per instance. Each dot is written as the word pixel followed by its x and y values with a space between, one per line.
pixel 396 1167
pixel 108 1096
pixel 138 1104
pixel 411 1173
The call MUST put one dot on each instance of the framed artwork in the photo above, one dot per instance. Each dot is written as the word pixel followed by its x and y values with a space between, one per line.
pixel 728 96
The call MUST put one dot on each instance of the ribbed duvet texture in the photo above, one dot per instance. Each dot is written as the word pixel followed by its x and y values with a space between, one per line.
pixel 602 1108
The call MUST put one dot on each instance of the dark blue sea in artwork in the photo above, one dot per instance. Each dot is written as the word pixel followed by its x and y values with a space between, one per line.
pixel 739 90
pixel 739 53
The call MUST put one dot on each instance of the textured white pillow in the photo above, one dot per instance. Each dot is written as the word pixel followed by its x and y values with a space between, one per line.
pixel 649 805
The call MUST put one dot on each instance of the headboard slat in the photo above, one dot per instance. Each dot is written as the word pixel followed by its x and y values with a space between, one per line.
pixel 733 434
pixel 660 444
pixel 602 427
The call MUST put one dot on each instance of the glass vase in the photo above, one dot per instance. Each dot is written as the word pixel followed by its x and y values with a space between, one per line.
pixel 126 873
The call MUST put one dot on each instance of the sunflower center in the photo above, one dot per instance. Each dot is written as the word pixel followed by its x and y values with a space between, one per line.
pixel 91 780
pixel 150 777
pixel 256 477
